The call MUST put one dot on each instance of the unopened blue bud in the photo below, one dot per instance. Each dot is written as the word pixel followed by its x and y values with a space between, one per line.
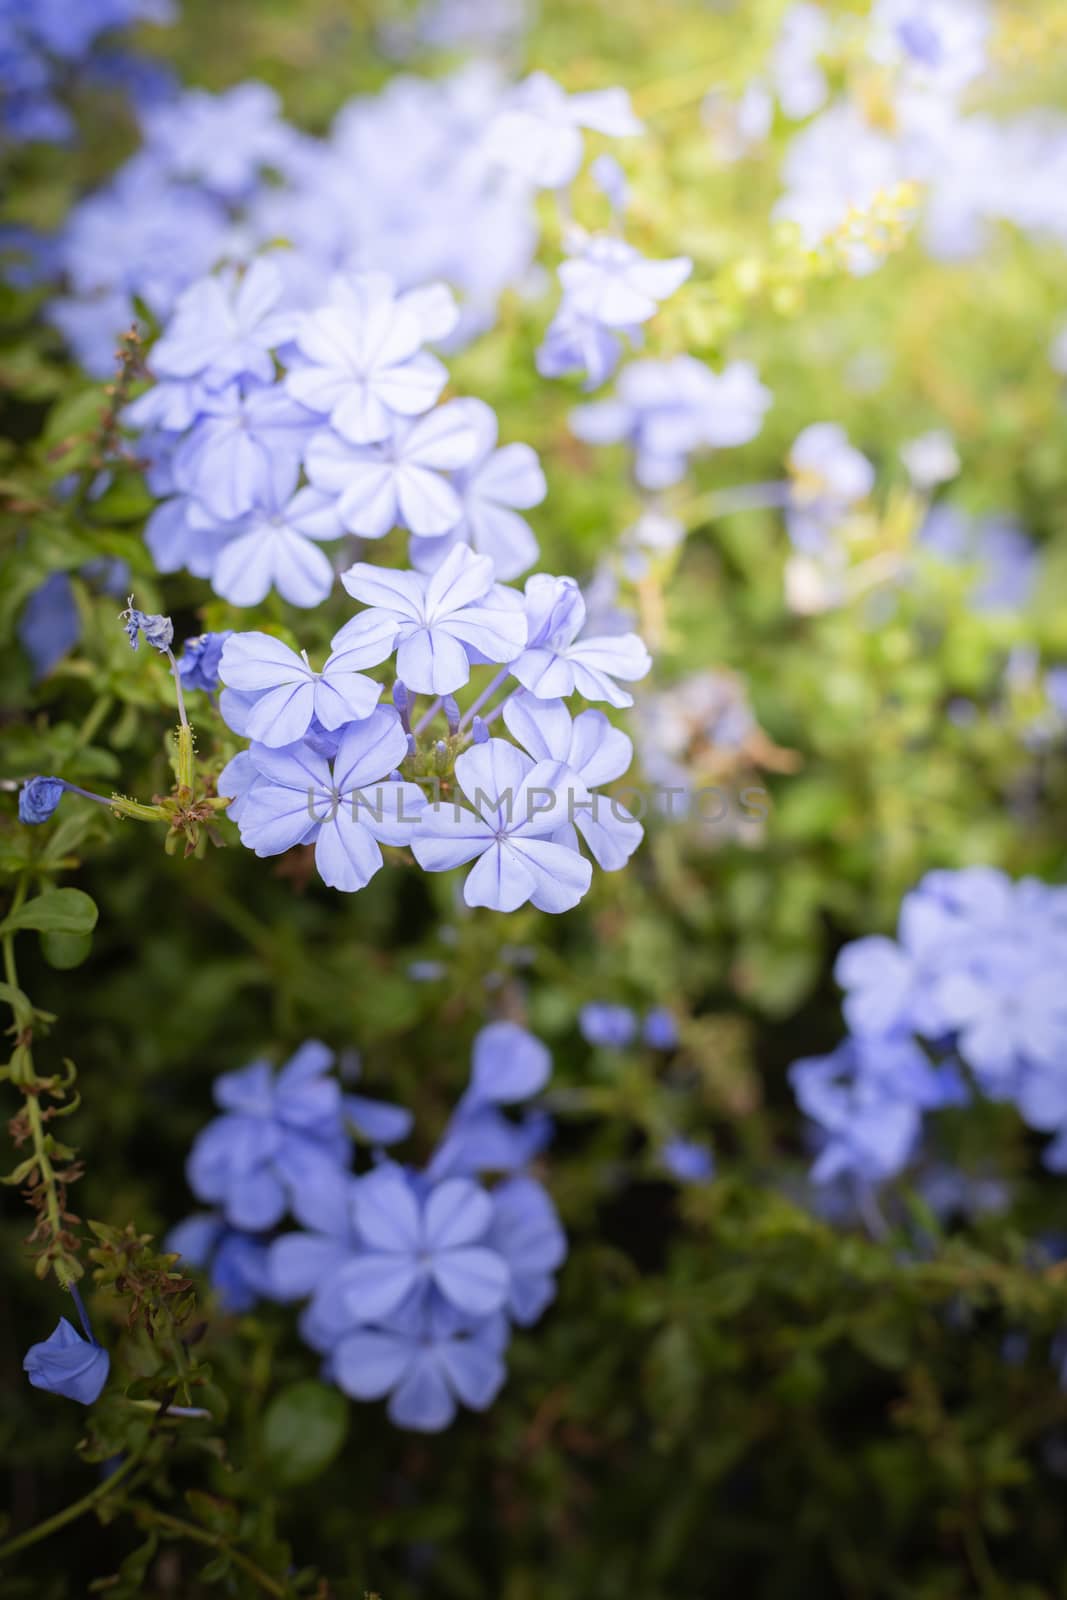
pixel 198 667
pixel 38 799
pixel 480 731
pixel 451 710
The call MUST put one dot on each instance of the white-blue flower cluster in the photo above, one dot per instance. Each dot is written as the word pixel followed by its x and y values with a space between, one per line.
pixel 272 430
pixel 413 1279
pixel 305 291
pixel 329 767
pixel 402 184
pixel 968 999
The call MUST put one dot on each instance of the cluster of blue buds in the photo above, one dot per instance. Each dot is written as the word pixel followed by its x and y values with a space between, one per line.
pixel 412 1279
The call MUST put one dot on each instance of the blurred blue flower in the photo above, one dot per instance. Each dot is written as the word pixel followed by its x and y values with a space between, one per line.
pixel 537 134
pixel 612 284
pixel 688 1160
pixel 610 1027
pixel 248 439
pixel 237 1263
pixel 509 1065
pixel 427 1358
pixel 412 1238
pixel 362 364
pixel 224 327
pixel 277 1145
pixel 669 410
pixel 400 481
pixel 828 477
pixel 49 626
pixel 526 1232
pixel 660 1030
pixel 492 488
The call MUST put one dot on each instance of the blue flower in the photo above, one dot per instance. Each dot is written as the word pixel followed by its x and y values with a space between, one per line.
pixel 412 1238
pixel 869 1125
pixel 537 135
pixel 1005 559
pixel 660 1031
pixel 609 1026
pixel 492 488
pixel 38 799
pixel 221 141
pixel 246 437
pixel 556 663
pixel 610 179
pixel 401 480
pixel 612 284
pixel 519 807
pixel 345 811
pixel 437 623
pixel 277 1144
pixel 427 1358
pixel 577 343
pixel 596 753
pixel 224 327
pixel 508 1066
pixel 688 1160
pixel 280 694
pixel 301 1264
pixel 67 1364
pixel 198 664
pixel 668 410
pixel 362 362
pixel 828 477
pixel 237 1263
pixel 527 1233
pixel 49 626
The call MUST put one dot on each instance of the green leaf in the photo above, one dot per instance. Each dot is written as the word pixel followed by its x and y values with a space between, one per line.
pixel 218 1568
pixel 54 911
pixel 64 951
pixel 220 1516
pixel 303 1430
pixel 19 1002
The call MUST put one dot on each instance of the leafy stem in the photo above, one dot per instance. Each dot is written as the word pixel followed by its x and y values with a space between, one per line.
pixel 44 1183
pixel 78 1508
pixel 149 1516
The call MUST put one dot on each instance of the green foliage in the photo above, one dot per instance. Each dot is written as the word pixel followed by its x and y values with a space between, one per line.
pixel 303 1429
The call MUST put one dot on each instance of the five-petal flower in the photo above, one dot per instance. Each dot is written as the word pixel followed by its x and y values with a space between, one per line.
pixel 437 622
pixel 519 807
